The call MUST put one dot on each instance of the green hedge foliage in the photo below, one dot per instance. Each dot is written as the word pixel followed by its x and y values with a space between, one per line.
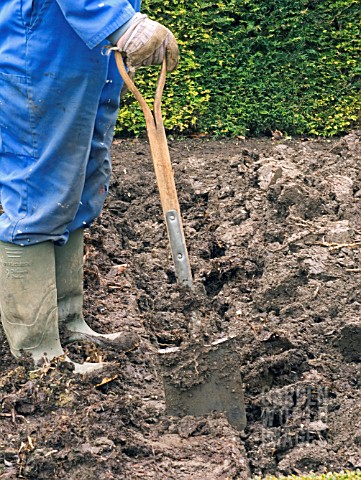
pixel 249 67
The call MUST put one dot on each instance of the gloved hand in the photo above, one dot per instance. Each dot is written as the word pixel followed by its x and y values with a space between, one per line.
pixel 147 42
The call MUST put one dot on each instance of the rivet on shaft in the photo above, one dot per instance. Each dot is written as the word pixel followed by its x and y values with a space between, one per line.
pixel 180 256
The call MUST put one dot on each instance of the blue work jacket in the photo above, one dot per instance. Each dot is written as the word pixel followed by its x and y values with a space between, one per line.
pixel 59 99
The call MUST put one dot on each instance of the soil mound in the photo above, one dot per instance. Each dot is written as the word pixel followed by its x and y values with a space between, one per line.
pixel 273 230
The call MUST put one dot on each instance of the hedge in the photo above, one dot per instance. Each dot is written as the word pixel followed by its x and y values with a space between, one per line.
pixel 249 67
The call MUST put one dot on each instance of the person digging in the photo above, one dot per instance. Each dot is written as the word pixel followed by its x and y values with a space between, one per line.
pixel 59 98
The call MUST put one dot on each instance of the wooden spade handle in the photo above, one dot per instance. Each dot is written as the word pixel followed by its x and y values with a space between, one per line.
pixel 163 170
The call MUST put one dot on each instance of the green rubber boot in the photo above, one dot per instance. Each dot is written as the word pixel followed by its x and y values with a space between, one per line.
pixel 28 300
pixel 69 282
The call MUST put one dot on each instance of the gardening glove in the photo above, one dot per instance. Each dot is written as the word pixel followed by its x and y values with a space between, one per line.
pixel 146 42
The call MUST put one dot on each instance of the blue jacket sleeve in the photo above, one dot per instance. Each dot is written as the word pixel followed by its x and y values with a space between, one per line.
pixel 95 20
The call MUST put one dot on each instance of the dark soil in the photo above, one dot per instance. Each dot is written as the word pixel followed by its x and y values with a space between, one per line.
pixel 273 228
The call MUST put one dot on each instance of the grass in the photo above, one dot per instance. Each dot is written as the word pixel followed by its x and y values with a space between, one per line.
pixel 346 475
